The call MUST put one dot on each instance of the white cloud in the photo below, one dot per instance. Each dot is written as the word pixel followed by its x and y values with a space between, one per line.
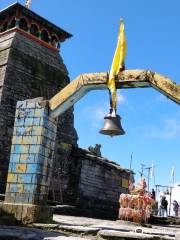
pixel 172 129
pixel 120 98
pixel 100 110
pixel 169 129
pixel 96 113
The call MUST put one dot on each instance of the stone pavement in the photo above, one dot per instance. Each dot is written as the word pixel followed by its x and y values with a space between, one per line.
pixel 104 229
pixel 82 228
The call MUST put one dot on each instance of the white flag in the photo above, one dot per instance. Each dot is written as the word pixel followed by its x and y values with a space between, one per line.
pixel 172 175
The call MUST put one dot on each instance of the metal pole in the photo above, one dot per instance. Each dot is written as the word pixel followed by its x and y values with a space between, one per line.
pixel 170 200
pixel 148 168
pixel 156 192
pixel 142 169
pixel 131 161
pixel 148 177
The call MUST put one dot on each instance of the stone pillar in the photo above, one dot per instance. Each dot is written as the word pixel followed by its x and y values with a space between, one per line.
pixel 31 161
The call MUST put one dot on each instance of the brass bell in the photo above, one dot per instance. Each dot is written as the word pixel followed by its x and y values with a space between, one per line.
pixel 112 126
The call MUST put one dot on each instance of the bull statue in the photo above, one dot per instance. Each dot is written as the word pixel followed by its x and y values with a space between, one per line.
pixel 95 150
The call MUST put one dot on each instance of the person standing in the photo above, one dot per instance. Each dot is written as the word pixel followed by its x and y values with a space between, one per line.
pixel 163 206
pixel 153 194
pixel 175 208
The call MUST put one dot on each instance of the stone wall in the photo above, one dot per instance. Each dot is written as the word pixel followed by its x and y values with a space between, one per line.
pixel 29 70
pixel 94 183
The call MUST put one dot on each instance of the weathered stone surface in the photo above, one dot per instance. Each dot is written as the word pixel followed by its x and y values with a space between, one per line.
pixel 19 233
pixel 110 230
pixel 45 226
pixel 29 70
pixel 114 235
pixel 79 229
pixel 95 184
pixel 177 237
pixel 120 226
pixel 126 79
pixel 64 238
pixel 26 213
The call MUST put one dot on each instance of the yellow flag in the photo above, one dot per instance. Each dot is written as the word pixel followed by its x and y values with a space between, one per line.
pixel 117 63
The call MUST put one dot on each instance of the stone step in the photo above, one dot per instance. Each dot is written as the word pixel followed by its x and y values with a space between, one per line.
pixel 115 235
pixel 92 213
pixel 20 233
pixel 79 229
pixel 64 238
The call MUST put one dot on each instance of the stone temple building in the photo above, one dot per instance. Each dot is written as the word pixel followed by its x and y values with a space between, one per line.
pixel 30 67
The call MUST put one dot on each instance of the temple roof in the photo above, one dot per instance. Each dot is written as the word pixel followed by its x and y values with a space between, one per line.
pixel 18 9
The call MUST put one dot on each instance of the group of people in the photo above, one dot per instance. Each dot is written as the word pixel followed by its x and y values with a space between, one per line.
pixel 163 208
pixel 163 205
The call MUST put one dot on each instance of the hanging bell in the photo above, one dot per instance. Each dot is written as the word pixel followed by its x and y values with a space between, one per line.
pixel 112 126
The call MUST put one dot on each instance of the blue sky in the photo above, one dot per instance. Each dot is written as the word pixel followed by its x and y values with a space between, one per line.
pixel 151 121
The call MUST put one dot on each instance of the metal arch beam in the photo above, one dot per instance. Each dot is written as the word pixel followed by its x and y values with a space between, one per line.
pixel 84 83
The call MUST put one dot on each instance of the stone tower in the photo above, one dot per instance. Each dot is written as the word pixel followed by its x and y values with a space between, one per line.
pixel 30 67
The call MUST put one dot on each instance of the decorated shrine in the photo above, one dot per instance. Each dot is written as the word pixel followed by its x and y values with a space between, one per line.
pixel 136 206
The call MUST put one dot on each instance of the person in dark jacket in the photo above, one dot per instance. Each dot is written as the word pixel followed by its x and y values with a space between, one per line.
pixel 153 194
pixel 163 206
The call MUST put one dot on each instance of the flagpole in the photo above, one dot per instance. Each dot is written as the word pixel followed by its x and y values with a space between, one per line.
pixel 172 175
pixel 154 180
pixel 131 161
pixel 148 168
pixel 152 175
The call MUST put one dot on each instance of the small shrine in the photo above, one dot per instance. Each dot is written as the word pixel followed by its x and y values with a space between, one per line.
pixel 137 205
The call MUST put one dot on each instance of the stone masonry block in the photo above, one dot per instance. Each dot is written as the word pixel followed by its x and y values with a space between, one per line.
pixel 21 168
pixel 12 177
pixel 24 178
pixel 27 158
pixel 22 198
pixel 50 134
pixel 14 158
pixel 28 121
pixel 48 143
pixel 16 140
pixel 49 125
pixel 30 104
pixel 19 149
pixel 29 140
pixel 42 160
pixel 12 167
pixel 24 113
pixel 34 168
pixel 34 149
pixel 21 104
pixel 29 188
pixel 36 121
pixel 19 122
pixel 40 112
